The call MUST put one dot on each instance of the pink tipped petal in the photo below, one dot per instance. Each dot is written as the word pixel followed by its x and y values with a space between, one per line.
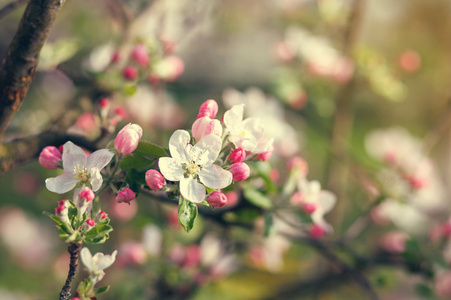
pixel 72 155
pixel 61 184
pixel 179 146
pixel 99 159
pixel 171 169
pixel 192 190
pixel 215 177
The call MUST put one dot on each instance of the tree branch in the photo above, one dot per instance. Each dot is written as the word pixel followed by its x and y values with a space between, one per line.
pixel 19 65
pixel 74 251
pixel 22 150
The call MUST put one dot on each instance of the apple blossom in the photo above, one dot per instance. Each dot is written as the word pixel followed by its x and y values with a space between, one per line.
pixel 128 138
pixel 155 181
pixel 130 73
pixel 170 68
pixel 205 126
pixel 266 155
pixel 191 164
pixel 90 222
pixel 237 155
pixel 50 157
pixel 217 199
pixel 140 55
pixel 208 109
pixel 125 195
pixel 97 263
pixel 394 242
pixel 79 169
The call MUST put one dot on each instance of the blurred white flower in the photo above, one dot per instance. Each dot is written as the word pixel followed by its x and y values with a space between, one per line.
pixel 97 263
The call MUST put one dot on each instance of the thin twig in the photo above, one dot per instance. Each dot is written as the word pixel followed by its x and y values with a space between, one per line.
pixel 10 7
pixel 74 251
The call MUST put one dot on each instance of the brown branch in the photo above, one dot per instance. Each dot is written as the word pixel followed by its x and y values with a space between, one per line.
pixel 23 150
pixel 74 251
pixel 10 7
pixel 19 65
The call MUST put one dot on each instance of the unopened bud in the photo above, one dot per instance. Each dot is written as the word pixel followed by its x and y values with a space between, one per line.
pixel 104 103
pixel 130 73
pixel 120 113
pixel 309 208
pixel 154 180
pixel 317 231
pixel 266 155
pixel 125 195
pixel 90 222
pixel 205 126
pixel 298 163
pixel 237 155
pixel 88 194
pixel 102 215
pixel 140 55
pixel 50 157
pixel 240 171
pixel 208 109
pixel 217 199
pixel 128 138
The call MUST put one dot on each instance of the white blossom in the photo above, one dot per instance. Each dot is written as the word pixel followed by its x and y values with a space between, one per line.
pixel 97 263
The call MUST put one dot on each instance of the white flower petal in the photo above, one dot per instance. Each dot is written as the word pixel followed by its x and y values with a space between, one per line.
pixel 99 159
pixel 215 177
pixel 327 201
pixel 192 190
pixel 96 179
pixel 234 117
pixel 206 151
pixel 171 169
pixel 61 184
pixel 104 261
pixel 179 146
pixel 254 127
pixel 86 258
pixel 72 156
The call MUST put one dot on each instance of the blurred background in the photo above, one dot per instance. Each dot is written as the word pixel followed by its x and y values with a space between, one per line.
pixel 335 78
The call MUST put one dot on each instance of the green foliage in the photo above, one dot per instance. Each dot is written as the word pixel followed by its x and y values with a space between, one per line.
pixel 187 213
pixel 257 198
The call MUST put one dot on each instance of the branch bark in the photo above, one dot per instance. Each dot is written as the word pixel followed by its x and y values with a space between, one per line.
pixel 18 67
pixel 74 251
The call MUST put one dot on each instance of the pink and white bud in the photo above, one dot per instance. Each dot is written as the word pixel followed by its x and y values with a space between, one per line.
pixel 104 103
pixel 125 195
pixel 208 109
pixel 232 198
pixel 237 155
pixel 416 183
pixel 128 138
pixel 442 285
pixel 90 222
pixel 87 194
pixel 170 68
pixel 297 198
pixel 274 175
pixel 120 113
pixel 102 215
pixel 309 208
pixel 205 126
pixel 266 155
pixel 317 231
pixel 121 213
pixel 140 55
pixel 217 199
pixel 130 73
pixel 88 122
pixel 299 164
pixel 240 171
pixel 155 181
pixel 394 242
pixel 131 254
pixel 62 211
pixel 50 157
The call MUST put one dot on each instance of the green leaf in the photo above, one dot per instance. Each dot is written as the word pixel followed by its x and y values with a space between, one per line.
pixel 150 149
pixel 257 198
pixel 100 240
pixel 135 179
pixel 136 161
pixel 269 222
pixel 130 90
pixel 98 231
pixel 102 290
pixel 53 217
pixel 187 213
pixel 263 169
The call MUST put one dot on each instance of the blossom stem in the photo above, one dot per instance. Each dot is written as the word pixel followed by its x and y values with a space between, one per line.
pixel 74 251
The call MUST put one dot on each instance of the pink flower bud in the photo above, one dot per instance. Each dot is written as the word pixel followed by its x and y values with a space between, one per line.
pixel 125 195
pixel 131 253
pixel 217 199
pixel 90 222
pixel 240 171
pixel 297 198
pixel 317 231
pixel 300 164
pixel 50 157
pixel 208 109
pixel 274 175
pixel 88 122
pixel 128 138
pixel 237 155
pixel 442 285
pixel 170 68
pixel 76 298
pixel 102 215
pixel 104 103
pixel 61 148
pixel 62 202
pixel 120 113
pixel 416 183
pixel 394 242
pixel 205 126
pixel 88 194
pixel 192 258
pixel 309 208
pixel 59 210
pixel 266 155
pixel 140 55
pixel 409 61
pixel 232 198
pixel 130 73
pixel 155 180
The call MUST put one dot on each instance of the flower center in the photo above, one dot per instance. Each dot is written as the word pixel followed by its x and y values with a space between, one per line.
pixel 80 173
pixel 191 169
pixel 244 132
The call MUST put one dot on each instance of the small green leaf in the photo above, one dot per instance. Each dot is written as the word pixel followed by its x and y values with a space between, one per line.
pixel 257 198
pixel 98 231
pixel 99 240
pixel 269 222
pixel 263 169
pixel 130 90
pixel 187 213
pixel 135 179
pixel 136 161
pixel 53 217
pixel 150 149
pixel 102 290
